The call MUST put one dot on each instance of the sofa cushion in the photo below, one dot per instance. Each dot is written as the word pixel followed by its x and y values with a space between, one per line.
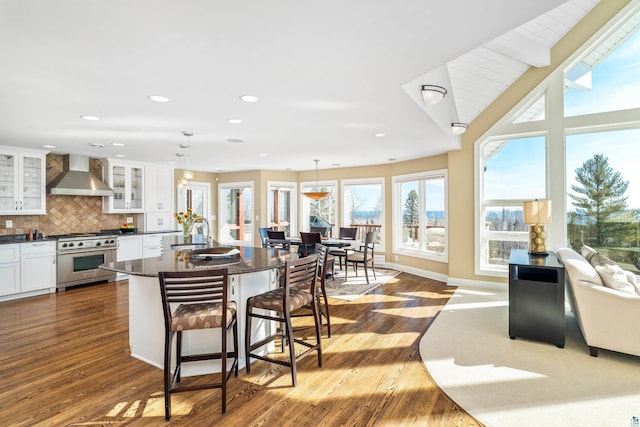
pixel 587 252
pixel 614 277
pixel 577 267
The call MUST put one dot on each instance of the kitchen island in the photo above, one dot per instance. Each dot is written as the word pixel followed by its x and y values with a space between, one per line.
pixel 252 271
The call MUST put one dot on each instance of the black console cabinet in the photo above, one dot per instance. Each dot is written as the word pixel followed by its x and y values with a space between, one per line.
pixel 536 297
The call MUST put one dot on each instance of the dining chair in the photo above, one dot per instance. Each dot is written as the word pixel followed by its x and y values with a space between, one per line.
pixel 278 244
pixel 365 256
pixel 308 245
pixel 263 234
pixel 299 290
pixel 273 234
pixel 345 233
pixel 308 242
pixel 192 300
pixel 321 293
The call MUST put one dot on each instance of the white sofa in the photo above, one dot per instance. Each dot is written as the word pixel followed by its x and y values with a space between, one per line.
pixel 608 318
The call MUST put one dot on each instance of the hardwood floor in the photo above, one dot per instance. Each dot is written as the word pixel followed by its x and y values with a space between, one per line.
pixel 65 362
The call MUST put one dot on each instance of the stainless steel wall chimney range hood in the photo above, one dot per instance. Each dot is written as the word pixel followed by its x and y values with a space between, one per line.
pixel 76 180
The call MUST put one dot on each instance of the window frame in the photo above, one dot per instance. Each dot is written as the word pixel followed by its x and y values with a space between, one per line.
pixel 222 212
pixel 398 209
pixel 293 214
pixel 344 219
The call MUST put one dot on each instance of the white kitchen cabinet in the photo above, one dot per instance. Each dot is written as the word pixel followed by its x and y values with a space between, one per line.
pixel 159 187
pixel 127 182
pixel 151 245
pixel 22 181
pixel 159 221
pixel 129 247
pixel 9 269
pixel 38 266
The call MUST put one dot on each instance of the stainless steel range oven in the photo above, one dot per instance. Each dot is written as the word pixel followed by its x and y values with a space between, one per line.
pixel 80 255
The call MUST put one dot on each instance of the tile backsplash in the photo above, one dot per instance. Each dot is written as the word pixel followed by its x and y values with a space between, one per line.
pixel 67 214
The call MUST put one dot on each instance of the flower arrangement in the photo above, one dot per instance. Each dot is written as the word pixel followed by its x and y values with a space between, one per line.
pixel 187 219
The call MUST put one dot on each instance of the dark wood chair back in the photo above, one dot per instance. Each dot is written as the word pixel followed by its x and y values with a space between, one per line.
pixel 348 233
pixel 263 234
pixel 278 235
pixel 308 243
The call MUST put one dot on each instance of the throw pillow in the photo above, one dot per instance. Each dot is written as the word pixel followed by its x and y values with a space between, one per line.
pixel 615 277
pixel 587 252
pixel 599 259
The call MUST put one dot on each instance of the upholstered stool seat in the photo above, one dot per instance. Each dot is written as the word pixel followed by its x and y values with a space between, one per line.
pixel 201 316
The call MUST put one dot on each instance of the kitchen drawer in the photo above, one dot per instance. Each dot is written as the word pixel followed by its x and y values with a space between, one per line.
pixel 38 248
pixel 9 253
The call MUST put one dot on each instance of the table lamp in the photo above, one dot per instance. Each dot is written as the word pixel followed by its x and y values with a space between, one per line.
pixel 537 213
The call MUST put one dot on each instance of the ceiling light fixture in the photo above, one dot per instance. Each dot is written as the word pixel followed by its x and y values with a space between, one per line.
pixel 158 98
pixel 48 146
pixel 117 144
pixel 249 98
pixel 432 94
pixel 379 135
pixel 91 118
pixel 458 128
pixel 316 195
pixel 234 121
pixel 235 140
pixel 96 145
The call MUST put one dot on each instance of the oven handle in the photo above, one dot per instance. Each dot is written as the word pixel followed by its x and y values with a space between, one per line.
pixel 87 251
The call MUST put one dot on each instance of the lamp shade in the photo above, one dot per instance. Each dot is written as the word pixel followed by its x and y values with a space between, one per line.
pixel 537 212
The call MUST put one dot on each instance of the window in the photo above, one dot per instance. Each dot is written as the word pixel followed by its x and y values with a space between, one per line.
pixel 235 207
pixel 513 170
pixel 195 195
pixel 582 152
pixel 420 215
pixel 281 210
pixel 319 213
pixel 609 189
pixel 362 206
pixel 607 74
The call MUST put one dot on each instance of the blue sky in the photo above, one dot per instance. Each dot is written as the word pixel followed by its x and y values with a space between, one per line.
pixel 616 86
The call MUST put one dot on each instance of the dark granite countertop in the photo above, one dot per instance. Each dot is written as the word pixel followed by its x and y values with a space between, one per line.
pixel 179 256
pixel 20 238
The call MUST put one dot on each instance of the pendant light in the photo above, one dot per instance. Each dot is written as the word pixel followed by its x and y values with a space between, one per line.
pixel 187 173
pixel 316 195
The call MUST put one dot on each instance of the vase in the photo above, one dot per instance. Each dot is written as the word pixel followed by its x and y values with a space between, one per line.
pixel 186 230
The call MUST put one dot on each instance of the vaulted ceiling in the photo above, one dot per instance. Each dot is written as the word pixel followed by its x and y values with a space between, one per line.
pixel 329 76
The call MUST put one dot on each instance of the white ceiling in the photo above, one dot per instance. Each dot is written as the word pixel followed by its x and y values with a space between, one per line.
pixel 329 75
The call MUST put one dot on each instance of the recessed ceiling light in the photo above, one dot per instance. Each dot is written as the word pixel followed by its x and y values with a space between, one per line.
pixel 263 154
pixel 96 145
pixel 94 118
pixel 117 144
pixel 49 146
pixel 119 155
pixel 171 162
pixel 249 98
pixel 234 121
pixel 379 135
pixel 158 98
pixel 392 159
pixel 235 140
pixel 335 164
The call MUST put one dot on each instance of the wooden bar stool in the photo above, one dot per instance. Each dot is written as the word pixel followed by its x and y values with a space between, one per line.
pixel 298 291
pixel 201 300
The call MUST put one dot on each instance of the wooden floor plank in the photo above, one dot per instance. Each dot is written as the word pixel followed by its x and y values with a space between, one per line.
pixel 65 361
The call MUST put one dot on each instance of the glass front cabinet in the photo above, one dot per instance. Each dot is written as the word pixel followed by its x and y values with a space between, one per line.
pixel 127 182
pixel 22 182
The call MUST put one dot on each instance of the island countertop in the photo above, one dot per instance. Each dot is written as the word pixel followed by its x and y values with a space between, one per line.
pixel 178 255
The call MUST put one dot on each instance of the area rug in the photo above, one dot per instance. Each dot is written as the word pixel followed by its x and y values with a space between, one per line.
pixel 351 287
pixel 504 382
